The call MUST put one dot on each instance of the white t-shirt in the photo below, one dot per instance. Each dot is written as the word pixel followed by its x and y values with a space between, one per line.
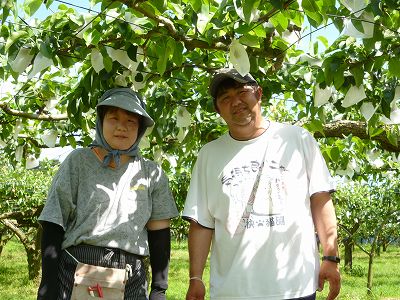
pixel 264 247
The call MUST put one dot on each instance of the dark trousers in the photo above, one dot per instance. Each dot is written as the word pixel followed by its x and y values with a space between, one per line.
pixel 311 297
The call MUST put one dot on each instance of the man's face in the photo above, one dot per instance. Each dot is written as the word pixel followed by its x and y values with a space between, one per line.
pixel 239 105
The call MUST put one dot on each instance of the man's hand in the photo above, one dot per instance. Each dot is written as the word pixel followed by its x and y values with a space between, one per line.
pixel 196 291
pixel 329 272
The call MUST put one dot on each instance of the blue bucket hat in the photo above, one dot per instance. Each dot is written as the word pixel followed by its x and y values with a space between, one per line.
pixel 127 99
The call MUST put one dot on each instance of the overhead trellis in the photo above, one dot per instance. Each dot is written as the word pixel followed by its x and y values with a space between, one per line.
pixel 54 69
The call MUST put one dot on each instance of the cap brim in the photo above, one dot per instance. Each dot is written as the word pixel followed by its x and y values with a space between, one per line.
pixel 220 77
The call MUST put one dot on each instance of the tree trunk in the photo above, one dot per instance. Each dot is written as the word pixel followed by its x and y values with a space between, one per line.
pixel 369 282
pixel 348 254
pixel 33 258
pixel 5 236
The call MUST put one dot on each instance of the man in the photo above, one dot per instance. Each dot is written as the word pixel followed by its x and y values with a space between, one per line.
pixel 257 196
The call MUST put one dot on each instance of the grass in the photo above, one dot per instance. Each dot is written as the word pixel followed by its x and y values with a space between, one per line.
pixel 14 283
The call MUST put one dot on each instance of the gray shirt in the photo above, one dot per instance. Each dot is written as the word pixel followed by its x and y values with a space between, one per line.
pixel 108 207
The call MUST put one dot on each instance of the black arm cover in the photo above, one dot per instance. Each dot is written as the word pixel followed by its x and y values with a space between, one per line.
pixel 160 250
pixel 52 238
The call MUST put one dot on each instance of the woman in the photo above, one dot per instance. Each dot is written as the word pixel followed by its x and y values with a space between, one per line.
pixel 108 207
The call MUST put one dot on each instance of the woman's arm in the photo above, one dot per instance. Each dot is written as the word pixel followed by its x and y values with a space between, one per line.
pixel 159 238
pixel 52 237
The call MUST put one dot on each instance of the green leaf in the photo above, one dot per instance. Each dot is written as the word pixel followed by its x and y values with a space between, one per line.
pixel 335 153
pixel 132 52
pixel 316 125
pixel 164 51
pixel 160 5
pixel 196 5
pixel 299 96
pixel 388 95
pixel 71 107
pixel 249 6
pixel 72 141
pixel 45 50
pixel 250 40
pixel 14 37
pixel 278 4
pixel 374 131
pixel 358 74
pixel 312 11
pixel 108 63
pixel 31 6
pixel 394 66
pixel 338 77
pixel 4 31
pixel 324 41
pixel 393 138
pixel 66 61
pixel 315 47
pixel 310 5
pixel 48 3
pixel 280 22
pixel 92 37
pixel 63 141
pixel 178 57
pixel 358 25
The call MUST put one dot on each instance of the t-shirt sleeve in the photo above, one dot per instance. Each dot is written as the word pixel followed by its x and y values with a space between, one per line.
pixel 196 204
pixel 163 204
pixel 60 203
pixel 320 180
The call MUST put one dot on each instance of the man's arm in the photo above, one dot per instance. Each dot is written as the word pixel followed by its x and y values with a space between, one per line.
pixel 199 247
pixel 324 217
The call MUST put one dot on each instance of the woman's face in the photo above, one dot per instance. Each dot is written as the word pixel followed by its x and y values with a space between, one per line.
pixel 120 128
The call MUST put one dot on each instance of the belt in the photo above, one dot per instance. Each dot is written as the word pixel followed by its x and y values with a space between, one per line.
pixel 104 256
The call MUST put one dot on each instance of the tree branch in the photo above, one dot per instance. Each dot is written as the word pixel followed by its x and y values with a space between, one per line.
pixel 33 116
pixel 18 215
pixel 340 129
pixel 189 42
pixel 18 232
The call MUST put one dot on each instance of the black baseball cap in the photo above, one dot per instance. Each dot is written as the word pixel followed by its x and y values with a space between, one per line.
pixel 226 73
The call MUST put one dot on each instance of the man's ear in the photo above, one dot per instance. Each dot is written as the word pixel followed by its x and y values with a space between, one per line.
pixel 258 92
pixel 216 105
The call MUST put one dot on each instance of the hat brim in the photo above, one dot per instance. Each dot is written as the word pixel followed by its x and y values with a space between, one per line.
pixel 124 101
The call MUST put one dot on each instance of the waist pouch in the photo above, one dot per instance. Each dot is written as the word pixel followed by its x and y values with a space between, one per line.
pixel 94 282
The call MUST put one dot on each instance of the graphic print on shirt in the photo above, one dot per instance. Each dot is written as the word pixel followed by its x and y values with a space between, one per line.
pixel 257 196
pixel 118 208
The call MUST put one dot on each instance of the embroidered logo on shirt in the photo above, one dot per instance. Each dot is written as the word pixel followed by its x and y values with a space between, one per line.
pixel 139 187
